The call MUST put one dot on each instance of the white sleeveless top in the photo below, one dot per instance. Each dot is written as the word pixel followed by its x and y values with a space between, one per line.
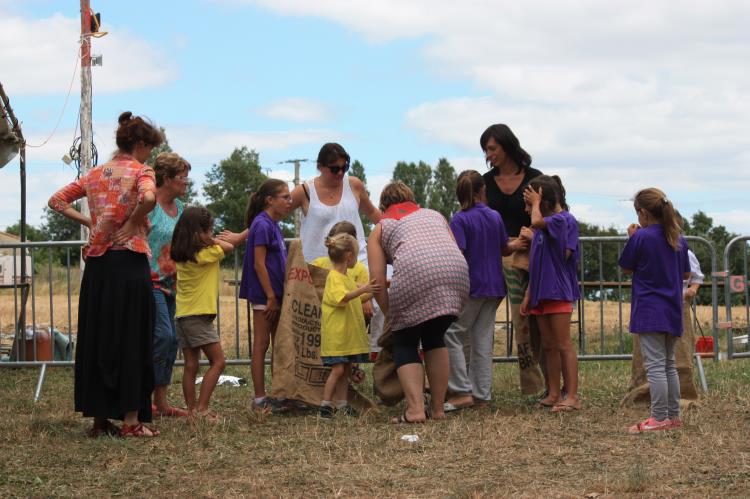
pixel 320 218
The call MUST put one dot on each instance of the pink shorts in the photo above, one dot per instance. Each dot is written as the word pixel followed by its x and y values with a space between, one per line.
pixel 547 307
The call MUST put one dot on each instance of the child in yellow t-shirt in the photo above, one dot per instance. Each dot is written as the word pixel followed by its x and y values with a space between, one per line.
pixel 197 255
pixel 343 337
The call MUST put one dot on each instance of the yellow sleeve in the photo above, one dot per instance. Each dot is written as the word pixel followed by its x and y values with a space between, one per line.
pixel 211 254
pixel 323 262
pixel 335 290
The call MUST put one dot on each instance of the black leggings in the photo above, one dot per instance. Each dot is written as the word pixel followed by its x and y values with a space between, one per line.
pixel 430 333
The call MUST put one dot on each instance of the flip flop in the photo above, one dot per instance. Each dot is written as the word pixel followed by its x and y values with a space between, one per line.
pixel 138 431
pixel 451 407
pixel 401 419
pixel 172 412
pixel 566 407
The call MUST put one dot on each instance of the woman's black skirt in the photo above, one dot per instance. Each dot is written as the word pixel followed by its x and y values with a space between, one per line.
pixel 114 362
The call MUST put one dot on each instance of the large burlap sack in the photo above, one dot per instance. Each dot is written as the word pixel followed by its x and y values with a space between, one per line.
pixel 638 391
pixel 297 371
pixel 384 376
pixel 528 342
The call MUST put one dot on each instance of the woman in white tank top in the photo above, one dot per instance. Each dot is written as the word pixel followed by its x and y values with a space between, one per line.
pixel 330 197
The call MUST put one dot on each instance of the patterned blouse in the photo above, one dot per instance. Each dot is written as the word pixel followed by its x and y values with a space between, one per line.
pixel 430 274
pixel 163 269
pixel 113 190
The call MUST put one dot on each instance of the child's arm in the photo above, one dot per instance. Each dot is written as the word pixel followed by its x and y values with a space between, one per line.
pixel 272 307
pixel 371 287
pixel 518 244
pixel 534 199
pixel 377 262
pixel 525 303
pixel 224 245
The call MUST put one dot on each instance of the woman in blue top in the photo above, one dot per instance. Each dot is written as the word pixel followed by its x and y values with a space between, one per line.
pixel 656 255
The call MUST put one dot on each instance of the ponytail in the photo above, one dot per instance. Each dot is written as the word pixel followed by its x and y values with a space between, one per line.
pixel 469 185
pixel 655 202
pixel 560 193
pixel 257 201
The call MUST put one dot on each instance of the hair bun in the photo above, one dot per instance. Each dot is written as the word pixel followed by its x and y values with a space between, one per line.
pixel 125 117
pixel 328 242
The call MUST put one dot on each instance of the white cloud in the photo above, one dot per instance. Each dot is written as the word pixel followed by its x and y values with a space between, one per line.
pixel 298 110
pixel 736 220
pixel 39 57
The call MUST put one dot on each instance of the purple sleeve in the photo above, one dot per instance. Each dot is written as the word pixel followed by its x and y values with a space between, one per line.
pixel 503 232
pixel 557 227
pixel 572 239
pixel 264 235
pixel 629 257
pixel 458 232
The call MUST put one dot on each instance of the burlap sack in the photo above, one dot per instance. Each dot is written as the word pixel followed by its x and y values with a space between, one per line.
pixel 520 259
pixel 528 343
pixel 638 392
pixel 297 371
pixel 384 376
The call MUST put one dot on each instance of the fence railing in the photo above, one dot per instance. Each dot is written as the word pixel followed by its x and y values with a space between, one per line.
pixel 736 284
pixel 49 291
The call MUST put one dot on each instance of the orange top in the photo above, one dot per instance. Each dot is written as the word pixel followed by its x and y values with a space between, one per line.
pixel 113 190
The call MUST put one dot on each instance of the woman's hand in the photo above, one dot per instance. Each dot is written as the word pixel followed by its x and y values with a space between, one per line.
pixel 127 231
pixel 232 238
pixel 526 234
pixel 271 313
pixel 525 305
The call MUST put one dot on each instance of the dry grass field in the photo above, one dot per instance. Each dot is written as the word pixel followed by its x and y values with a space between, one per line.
pixel 510 449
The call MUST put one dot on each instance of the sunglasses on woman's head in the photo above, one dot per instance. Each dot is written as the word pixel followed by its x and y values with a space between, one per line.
pixel 336 169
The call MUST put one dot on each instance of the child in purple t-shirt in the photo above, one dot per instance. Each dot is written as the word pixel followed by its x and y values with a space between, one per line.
pixel 656 255
pixel 480 235
pixel 551 290
pixel 263 272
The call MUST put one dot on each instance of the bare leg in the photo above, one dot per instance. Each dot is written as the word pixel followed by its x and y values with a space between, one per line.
pixel 342 385
pixel 261 341
pixel 411 377
pixel 438 369
pixel 552 358
pixel 217 362
pixel 337 372
pixel 560 324
pixel 192 356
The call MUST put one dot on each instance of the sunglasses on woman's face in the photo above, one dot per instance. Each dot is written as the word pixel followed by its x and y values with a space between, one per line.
pixel 336 169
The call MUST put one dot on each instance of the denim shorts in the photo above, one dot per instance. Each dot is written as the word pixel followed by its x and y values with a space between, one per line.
pixel 344 359
pixel 165 338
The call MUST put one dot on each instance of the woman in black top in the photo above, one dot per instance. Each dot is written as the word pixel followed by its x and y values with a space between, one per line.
pixel 510 172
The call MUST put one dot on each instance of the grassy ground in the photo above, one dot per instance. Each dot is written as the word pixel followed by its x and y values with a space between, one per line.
pixel 509 449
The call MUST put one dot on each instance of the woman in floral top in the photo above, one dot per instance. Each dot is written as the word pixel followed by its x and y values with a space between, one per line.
pixel 114 374
pixel 171 172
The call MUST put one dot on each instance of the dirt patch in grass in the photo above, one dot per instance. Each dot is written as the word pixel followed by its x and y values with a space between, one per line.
pixel 509 449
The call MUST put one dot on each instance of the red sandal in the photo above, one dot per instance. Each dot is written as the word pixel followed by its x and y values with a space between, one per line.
pixel 138 430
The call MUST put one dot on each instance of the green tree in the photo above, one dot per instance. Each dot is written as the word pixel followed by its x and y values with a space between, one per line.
pixel 591 263
pixel 442 196
pixel 32 233
pixel 190 196
pixel 58 227
pixel 416 176
pixel 358 170
pixel 228 187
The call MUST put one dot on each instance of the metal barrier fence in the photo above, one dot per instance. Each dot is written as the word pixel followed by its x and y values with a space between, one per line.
pixel 24 350
pixel 736 284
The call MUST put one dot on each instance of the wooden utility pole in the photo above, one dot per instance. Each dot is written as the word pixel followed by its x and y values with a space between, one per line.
pixel 87 132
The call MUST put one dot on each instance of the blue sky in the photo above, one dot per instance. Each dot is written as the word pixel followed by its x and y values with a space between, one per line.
pixel 611 96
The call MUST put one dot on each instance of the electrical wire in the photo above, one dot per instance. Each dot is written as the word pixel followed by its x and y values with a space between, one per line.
pixel 65 104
